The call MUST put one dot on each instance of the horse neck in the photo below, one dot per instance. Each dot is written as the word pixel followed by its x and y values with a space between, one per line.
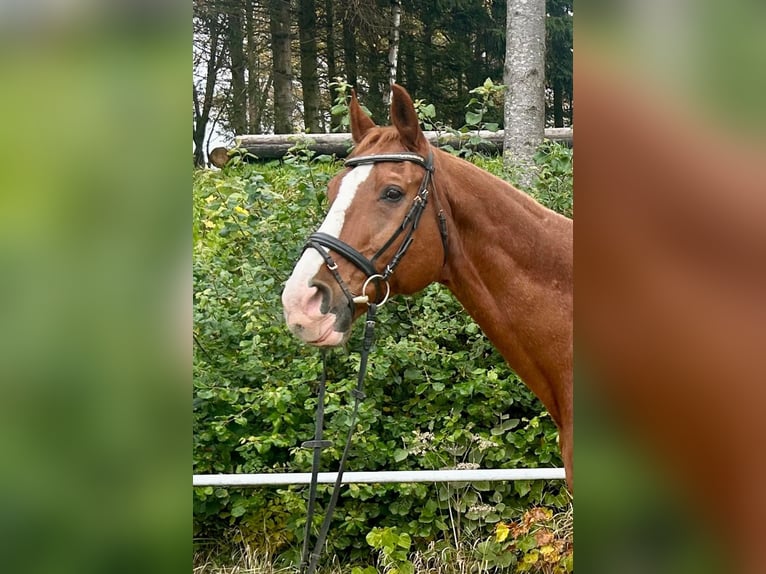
pixel 510 266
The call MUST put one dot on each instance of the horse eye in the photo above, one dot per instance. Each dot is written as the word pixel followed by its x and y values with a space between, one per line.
pixel 392 194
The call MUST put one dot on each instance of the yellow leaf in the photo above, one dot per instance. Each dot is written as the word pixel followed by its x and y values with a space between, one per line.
pixel 531 557
pixel 501 532
pixel 545 550
pixel 238 209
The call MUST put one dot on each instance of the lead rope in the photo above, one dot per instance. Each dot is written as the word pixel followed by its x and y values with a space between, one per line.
pixel 309 562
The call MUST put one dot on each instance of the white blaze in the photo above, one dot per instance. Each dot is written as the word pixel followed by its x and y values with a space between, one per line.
pixel 310 262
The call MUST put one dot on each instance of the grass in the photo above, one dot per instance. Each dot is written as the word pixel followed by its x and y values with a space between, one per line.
pixel 553 530
pixel 246 561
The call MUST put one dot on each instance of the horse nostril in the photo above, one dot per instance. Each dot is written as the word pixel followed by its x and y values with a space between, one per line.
pixel 324 292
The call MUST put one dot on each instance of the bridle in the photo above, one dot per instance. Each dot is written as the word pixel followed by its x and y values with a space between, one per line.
pixel 322 243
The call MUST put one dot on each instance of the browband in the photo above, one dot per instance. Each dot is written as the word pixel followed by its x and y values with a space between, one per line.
pixel 395 157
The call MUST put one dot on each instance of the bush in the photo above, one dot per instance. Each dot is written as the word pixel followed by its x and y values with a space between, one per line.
pixel 439 395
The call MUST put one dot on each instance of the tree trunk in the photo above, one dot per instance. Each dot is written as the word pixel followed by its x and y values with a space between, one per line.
pixel 411 76
pixel 349 51
pixel 558 105
pixel 202 109
pixel 270 146
pixel 279 25
pixel 428 58
pixel 307 31
pixel 376 76
pixel 475 73
pixel 458 116
pixel 393 49
pixel 253 71
pixel 332 69
pixel 262 100
pixel 238 116
pixel 198 133
pixel 524 78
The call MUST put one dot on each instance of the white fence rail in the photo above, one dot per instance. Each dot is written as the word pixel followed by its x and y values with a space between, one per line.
pixel 378 477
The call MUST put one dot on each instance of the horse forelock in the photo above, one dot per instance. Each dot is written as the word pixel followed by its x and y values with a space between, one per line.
pixel 379 140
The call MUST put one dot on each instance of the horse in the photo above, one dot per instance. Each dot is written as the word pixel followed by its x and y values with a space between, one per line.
pixel 505 257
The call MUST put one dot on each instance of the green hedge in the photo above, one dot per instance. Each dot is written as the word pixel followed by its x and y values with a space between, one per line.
pixel 439 395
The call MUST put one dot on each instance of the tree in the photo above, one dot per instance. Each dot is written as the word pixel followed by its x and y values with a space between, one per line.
pixel 259 71
pixel 393 50
pixel 332 67
pixel 525 80
pixel 254 50
pixel 237 64
pixel 307 30
pixel 558 57
pixel 279 26
pixel 207 26
pixel 349 49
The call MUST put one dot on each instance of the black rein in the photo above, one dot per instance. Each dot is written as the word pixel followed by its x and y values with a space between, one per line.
pixel 322 243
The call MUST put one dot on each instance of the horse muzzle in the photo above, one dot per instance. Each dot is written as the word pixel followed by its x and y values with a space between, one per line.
pixel 311 316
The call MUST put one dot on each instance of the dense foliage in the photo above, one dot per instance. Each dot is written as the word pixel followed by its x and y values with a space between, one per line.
pixel 439 395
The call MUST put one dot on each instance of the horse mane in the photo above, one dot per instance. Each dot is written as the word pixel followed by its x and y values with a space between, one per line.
pixel 518 217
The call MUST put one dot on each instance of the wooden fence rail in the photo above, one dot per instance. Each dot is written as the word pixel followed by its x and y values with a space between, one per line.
pixel 275 146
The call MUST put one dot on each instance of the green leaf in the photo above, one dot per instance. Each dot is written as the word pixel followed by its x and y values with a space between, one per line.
pixel 400 454
pixel 373 538
pixel 413 374
pixel 472 118
pixel 404 541
pixel 504 427
pixel 522 487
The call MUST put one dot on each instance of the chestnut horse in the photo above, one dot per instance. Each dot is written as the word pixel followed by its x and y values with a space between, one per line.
pixel 505 257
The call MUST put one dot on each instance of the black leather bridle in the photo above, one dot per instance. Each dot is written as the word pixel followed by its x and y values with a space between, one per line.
pixel 322 242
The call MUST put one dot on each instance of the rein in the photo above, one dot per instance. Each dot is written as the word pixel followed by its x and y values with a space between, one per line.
pixel 309 562
pixel 323 242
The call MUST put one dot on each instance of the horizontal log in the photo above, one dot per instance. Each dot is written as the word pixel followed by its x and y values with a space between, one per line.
pixel 274 146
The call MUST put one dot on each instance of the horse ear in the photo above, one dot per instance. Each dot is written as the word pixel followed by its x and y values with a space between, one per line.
pixel 406 121
pixel 360 122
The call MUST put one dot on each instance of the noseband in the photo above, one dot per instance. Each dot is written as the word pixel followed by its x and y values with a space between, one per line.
pixel 322 242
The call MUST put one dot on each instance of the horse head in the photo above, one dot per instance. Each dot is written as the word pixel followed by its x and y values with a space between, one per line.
pixel 373 242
